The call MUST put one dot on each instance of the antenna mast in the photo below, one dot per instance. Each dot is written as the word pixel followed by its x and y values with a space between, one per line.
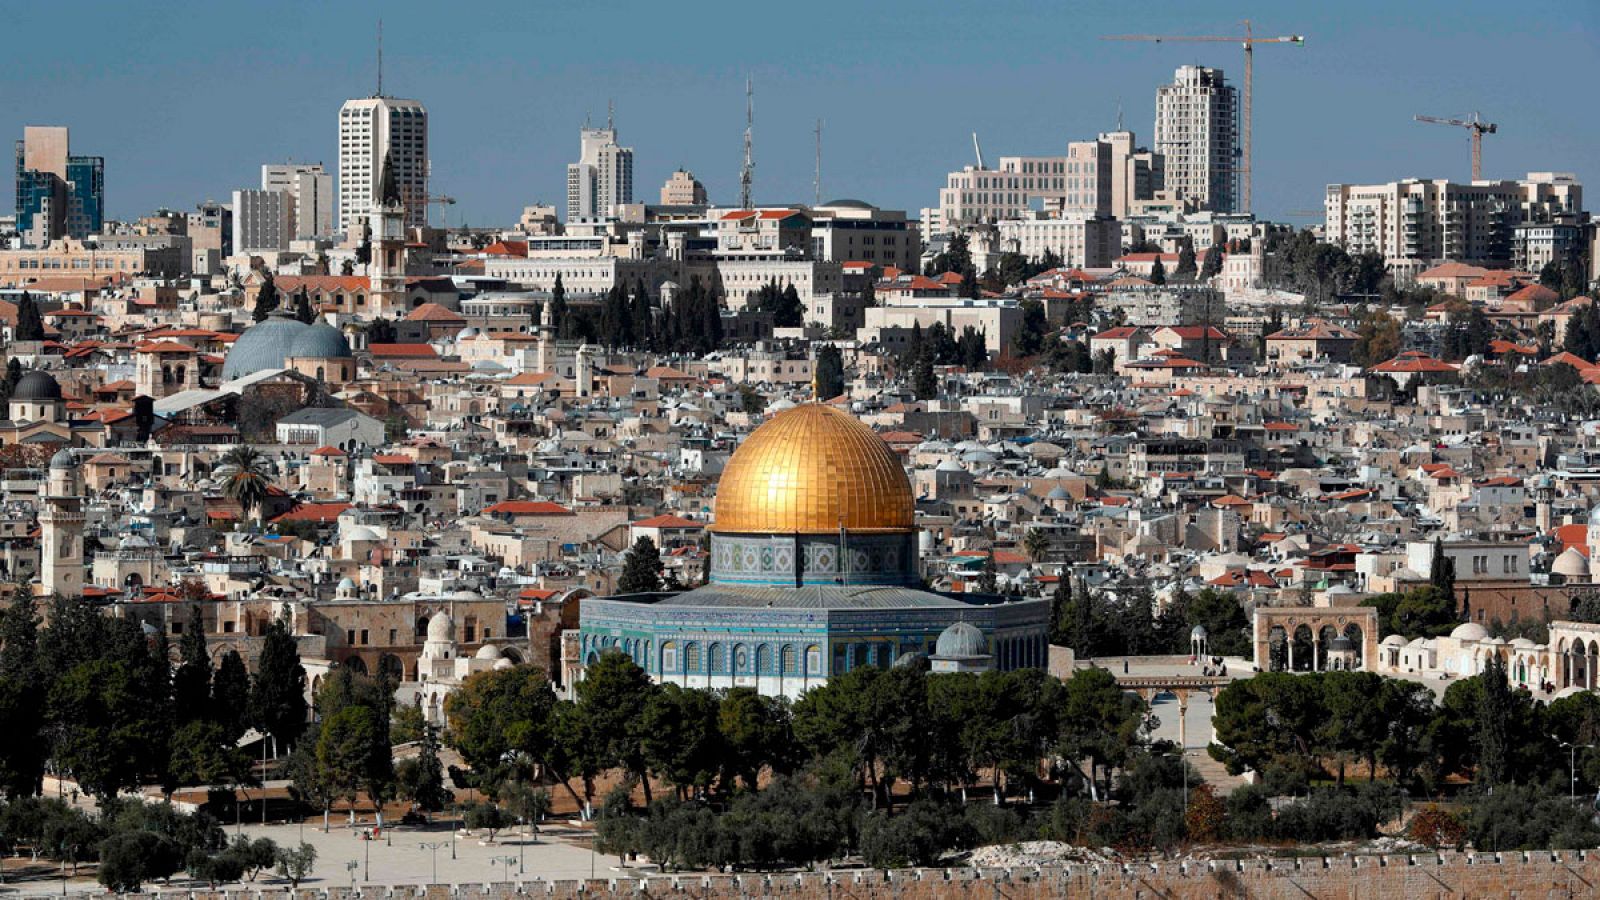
pixel 611 115
pixel 747 173
pixel 978 150
pixel 816 184
pixel 380 57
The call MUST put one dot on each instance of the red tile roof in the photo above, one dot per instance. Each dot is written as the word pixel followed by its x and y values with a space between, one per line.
pixel 528 508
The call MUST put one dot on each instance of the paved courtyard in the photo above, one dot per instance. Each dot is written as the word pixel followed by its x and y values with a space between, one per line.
pixel 557 852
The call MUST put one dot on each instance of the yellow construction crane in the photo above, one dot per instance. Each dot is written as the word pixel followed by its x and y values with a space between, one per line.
pixel 1249 41
pixel 1477 127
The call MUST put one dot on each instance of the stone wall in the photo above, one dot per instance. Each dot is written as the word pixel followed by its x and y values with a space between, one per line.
pixel 1452 875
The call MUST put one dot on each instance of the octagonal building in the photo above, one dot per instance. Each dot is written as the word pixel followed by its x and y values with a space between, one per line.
pixel 814 572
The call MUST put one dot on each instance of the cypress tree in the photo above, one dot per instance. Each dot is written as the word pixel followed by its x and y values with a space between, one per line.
pixel 641 568
pixel 266 298
pixel 277 693
pixel 559 320
pixel 30 323
pixel 191 683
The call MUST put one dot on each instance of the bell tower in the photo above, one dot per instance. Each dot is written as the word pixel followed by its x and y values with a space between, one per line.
pixel 386 273
pixel 61 528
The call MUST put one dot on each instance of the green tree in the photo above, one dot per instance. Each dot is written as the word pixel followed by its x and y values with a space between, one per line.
pixel 191 681
pixel 612 697
pixel 755 733
pixel 502 714
pixel 22 699
pixel 230 695
pixel 1186 261
pixel 1030 335
pixel 302 308
pixel 427 790
pixel 345 750
pixel 641 568
pixel 128 859
pixel 830 372
pixel 277 692
pixel 1491 738
pixel 30 323
pixel 1158 272
pixel 1212 266
pixel 1099 723
pixel 295 863
pixel 246 477
pixel 683 738
pixel 266 298
pixel 1036 544
pixel 923 382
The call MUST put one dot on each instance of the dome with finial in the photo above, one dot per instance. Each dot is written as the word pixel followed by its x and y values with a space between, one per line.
pixel 961 640
pixel 36 387
pixel 264 345
pixel 63 460
pixel 441 628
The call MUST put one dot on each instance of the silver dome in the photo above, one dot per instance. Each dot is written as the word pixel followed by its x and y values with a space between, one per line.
pixel 961 640
pixel 36 386
pixel 321 341
pixel 264 345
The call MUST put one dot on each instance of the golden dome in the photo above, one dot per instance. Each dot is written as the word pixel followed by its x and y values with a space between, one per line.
pixel 813 469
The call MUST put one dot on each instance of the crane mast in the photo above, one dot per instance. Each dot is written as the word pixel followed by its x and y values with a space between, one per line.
pixel 1249 41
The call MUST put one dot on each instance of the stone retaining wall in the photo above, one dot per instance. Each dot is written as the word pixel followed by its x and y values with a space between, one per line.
pixel 1403 877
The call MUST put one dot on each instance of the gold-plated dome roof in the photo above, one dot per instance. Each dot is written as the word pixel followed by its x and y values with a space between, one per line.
pixel 813 469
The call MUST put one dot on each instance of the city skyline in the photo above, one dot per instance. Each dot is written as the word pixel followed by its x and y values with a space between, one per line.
pixel 504 118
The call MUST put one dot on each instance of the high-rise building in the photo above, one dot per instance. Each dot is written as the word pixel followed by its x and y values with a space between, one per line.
pixel 1137 173
pixel 311 188
pixel 58 195
pixel 263 221
pixel 601 178
pixel 370 130
pixel 1197 131
pixel 210 230
pixel 683 189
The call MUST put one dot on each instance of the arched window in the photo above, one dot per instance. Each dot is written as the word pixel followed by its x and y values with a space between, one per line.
pixel 791 660
pixel 669 657
pixel 714 660
pixel 741 659
pixel 764 660
pixel 691 658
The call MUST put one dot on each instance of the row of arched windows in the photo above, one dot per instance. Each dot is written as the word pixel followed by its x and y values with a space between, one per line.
pixel 714 657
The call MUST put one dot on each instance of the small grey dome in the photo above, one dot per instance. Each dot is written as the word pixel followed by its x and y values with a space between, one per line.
pixel 321 341
pixel 1341 643
pixel 63 460
pixel 1198 632
pixel 345 584
pixel 36 386
pixel 263 346
pixel 961 640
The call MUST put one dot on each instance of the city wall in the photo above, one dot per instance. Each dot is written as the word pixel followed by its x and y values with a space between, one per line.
pixel 1453 875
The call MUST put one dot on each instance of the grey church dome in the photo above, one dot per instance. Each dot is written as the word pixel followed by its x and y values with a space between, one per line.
pixel 36 386
pixel 321 341
pixel 961 640
pixel 63 460
pixel 264 345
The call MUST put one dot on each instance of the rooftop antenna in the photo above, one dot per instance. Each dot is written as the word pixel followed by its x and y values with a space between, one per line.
pixel 747 172
pixel 978 150
pixel 1119 115
pixel 611 115
pixel 816 183
pixel 380 57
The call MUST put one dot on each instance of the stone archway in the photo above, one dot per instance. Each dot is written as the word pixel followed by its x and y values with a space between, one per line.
pixel 1314 622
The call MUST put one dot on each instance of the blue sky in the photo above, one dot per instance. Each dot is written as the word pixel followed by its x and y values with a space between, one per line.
pixel 187 99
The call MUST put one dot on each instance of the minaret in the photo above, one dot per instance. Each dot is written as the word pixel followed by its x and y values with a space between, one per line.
pixel 386 274
pixel 61 528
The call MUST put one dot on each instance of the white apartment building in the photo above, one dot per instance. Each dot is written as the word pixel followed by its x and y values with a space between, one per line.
pixel 310 188
pixel 1084 241
pixel 263 221
pixel 1197 133
pixel 601 178
pixel 1436 220
pixel 371 129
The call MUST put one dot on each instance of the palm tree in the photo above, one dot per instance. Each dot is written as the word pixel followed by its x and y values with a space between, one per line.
pixel 246 474
pixel 1036 544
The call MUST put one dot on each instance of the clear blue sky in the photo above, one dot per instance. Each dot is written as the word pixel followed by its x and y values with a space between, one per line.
pixel 187 99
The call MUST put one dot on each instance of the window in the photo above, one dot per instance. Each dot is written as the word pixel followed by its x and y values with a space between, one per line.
pixel 364 640
pixel 392 637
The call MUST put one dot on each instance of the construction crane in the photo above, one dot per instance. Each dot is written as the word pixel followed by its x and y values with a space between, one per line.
pixel 1249 41
pixel 1477 127
pixel 441 201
